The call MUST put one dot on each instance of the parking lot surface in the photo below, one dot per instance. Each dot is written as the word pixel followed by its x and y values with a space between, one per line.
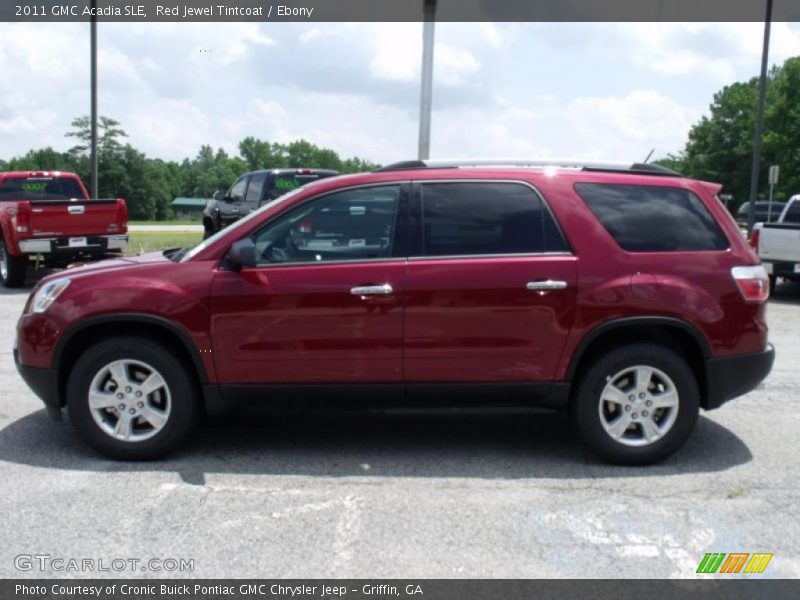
pixel 448 495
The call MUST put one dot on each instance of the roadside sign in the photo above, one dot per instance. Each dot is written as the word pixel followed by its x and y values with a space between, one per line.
pixel 773 174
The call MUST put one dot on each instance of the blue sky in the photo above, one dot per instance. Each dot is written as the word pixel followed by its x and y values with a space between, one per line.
pixel 546 90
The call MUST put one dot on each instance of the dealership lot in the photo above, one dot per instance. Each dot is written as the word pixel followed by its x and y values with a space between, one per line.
pixel 356 495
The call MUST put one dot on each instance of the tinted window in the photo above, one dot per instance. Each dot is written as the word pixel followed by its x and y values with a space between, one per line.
pixel 350 225
pixel 40 188
pixel 255 186
pixel 653 219
pixel 237 190
pixel 486 218
pixel 793 214
pixel 286 182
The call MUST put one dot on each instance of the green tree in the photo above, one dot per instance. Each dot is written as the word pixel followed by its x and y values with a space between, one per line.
pixel 109 133
pixel 720 146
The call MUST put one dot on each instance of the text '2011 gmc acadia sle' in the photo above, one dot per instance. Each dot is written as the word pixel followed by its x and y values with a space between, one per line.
pixel 624 295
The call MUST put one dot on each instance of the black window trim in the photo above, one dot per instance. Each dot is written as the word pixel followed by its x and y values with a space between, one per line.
pixel 399 225
pixel 416 209
pixel 722 231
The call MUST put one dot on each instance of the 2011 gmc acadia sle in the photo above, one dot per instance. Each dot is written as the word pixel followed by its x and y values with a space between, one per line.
pixel 624 295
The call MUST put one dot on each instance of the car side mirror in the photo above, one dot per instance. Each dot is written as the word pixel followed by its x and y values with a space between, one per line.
pixel 219 196
pixel 242 254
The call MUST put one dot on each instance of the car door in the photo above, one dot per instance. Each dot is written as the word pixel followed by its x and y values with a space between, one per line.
pixel 231 210
pixel 491 290
pixel 325 303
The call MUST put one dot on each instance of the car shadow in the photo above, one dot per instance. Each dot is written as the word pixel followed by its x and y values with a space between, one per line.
pixel 355 444
pixel 786 292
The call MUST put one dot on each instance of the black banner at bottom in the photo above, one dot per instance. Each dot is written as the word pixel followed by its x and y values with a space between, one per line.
pixel 384 589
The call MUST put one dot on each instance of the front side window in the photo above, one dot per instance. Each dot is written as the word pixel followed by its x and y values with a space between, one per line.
pixel 236 192
pixel 643 218
pixel 356 224
pixel 255 186
pixel 465 219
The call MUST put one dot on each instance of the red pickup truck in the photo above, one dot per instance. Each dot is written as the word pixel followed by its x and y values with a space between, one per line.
pixel 49 214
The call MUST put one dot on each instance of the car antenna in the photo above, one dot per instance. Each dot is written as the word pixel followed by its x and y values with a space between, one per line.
pixel 647 158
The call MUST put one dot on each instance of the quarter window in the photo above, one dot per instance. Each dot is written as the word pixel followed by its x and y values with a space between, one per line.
pixel 353 224
pixel 653 219
pixel 485 219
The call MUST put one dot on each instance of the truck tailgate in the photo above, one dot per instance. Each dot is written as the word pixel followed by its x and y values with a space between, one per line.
pixel 780 242
pixel 74 218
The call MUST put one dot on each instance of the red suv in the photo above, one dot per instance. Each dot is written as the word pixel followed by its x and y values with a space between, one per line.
pixel 624 295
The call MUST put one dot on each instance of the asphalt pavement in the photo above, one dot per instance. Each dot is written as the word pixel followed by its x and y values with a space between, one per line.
pixel 262 494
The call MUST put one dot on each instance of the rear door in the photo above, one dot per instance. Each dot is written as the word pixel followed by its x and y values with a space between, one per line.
pixel 491 292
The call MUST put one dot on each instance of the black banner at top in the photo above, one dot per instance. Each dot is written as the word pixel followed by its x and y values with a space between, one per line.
pixel 395 10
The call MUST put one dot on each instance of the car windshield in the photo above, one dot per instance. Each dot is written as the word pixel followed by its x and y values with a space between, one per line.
pixel 40 188
pixel 185 254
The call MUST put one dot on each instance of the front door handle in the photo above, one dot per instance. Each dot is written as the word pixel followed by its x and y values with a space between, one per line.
pixel 372 290
pixel 545 285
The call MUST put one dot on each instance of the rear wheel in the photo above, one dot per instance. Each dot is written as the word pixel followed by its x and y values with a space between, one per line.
pixel 132 399
pixel 12 268
pixel 637 404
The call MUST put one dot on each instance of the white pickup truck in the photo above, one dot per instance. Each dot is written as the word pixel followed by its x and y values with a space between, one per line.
pixel 778 244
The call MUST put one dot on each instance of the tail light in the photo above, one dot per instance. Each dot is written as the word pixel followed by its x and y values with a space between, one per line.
pixel 23 217
pixel 753 282
pixel 754 238
pixel 122 215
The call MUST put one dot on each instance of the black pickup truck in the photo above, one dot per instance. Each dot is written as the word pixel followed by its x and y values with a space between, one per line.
pixel 252 190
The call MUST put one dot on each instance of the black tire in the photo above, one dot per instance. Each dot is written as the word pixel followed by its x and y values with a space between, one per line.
pixel 589 413
pixel 179 381
pixel 12 275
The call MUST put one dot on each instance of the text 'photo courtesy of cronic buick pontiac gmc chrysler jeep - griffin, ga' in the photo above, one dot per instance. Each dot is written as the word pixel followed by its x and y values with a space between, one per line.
pixel 623 295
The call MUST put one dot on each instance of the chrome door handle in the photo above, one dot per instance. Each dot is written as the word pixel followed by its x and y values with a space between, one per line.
pixel 372 290
pixel 547 284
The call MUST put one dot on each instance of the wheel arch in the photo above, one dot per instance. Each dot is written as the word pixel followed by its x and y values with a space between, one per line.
pixel 158 329
pixel 680 335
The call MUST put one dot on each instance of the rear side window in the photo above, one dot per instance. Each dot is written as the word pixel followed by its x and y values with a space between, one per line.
pixel 462 219
pixel 645 218
pixel 40 188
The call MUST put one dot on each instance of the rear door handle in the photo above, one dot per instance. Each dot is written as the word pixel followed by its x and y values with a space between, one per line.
pixel 546 284
pixel 372 290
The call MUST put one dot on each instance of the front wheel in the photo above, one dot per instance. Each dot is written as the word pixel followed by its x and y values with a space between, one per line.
pixel 637 404
pixel 132 399
pixel 12 268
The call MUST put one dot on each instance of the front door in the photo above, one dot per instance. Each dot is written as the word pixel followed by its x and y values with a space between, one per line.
pixel 324 304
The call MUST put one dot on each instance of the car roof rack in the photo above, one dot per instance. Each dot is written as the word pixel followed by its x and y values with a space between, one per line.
pixel 578 165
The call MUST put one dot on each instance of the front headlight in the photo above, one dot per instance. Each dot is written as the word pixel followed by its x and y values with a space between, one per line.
pixel 48 293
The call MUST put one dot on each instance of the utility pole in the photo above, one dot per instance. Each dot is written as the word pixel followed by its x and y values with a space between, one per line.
pixel 426 93
pixel 762 92
pixel 93 84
